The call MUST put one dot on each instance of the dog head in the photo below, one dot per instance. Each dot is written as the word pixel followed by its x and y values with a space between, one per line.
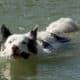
pixel 19 44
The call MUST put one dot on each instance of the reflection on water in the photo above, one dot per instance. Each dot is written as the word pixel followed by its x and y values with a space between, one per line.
pixel 17 70
pixel 49 69
pixel 5 71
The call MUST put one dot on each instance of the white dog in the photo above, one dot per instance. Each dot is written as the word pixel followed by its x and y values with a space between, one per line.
pixel 32 42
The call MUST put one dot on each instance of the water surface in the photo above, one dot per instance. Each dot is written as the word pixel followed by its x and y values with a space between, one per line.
pixel 21 16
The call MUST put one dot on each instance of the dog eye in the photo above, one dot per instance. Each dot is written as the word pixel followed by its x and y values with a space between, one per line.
pixel 10 41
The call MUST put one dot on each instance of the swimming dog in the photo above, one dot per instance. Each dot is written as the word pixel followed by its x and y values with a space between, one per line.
pixel 26 44
pixel 32 42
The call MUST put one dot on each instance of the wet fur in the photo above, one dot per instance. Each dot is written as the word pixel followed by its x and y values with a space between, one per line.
pixel 33 42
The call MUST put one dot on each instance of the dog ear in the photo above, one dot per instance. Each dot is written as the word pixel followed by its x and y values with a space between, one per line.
pixel 5 32
pixel 34 33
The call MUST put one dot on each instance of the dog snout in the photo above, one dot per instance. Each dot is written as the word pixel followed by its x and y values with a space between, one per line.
pixel 15 48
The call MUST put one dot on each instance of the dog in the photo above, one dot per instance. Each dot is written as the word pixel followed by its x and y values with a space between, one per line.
pixel 30 43
pixel 26 44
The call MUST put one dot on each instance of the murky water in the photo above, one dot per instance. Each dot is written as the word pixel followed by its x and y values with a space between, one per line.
pixel 21 16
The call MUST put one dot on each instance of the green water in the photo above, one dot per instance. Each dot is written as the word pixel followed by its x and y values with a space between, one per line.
pixel 21 16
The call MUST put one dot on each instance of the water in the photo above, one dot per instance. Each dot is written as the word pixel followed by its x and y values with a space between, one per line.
pixel 21 16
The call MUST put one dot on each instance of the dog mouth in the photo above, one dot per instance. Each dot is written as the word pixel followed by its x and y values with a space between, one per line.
pixel 16 53
pixel 25 55
pixel 22 54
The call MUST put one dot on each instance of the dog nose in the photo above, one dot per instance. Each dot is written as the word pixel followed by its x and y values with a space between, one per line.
pixel 15 48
